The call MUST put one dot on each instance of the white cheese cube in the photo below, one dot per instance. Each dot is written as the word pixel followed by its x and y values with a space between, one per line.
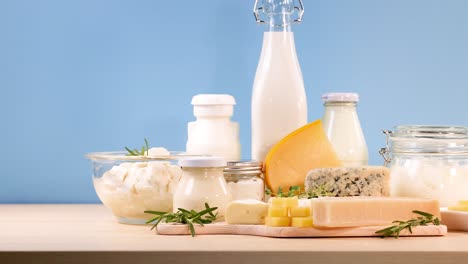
pixel 246 212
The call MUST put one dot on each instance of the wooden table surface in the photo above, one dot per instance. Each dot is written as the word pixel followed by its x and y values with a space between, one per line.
pixel 88 233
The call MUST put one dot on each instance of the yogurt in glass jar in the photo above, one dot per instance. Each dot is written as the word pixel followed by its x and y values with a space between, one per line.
pixel 202 181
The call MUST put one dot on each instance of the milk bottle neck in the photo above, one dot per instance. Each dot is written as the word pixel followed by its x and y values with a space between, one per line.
pixel 351 105
pixel 342 107
pixel 279 23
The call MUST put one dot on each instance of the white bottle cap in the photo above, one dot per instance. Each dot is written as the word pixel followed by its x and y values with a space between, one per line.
pixel 203 162
pixel 340 97
pixel 213 105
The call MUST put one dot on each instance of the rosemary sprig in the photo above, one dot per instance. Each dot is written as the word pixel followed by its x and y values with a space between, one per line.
pixel 184 216
pixel 136 152
pixel 422 220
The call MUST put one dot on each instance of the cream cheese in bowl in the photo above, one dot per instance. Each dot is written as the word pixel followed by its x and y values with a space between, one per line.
pixel 130 185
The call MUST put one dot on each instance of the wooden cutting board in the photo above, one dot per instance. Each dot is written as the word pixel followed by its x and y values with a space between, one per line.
pixel 266 231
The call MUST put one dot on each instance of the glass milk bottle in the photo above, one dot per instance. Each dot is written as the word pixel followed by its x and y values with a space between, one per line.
pixel 341 123
pixel 279 104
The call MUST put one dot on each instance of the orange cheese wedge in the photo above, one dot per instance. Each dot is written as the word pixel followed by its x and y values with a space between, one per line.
pixel 304 149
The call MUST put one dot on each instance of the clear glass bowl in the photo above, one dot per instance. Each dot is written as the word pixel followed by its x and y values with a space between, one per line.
pixel 129 185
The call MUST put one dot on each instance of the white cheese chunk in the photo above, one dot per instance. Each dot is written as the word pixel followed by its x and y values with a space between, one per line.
pixel 368 211
pixel 246 212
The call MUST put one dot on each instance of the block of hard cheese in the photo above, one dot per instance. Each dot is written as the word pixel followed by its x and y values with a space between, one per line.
pixel 350 181
pixel 246 212
pixel 368 211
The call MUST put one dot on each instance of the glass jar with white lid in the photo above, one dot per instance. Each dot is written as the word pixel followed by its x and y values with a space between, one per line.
pixel 428 162
pixel 202 181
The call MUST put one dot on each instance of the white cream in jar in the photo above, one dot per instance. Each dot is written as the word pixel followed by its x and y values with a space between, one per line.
pixel 429 162
pixel 244 179
pixel 430 178
pixel 202 182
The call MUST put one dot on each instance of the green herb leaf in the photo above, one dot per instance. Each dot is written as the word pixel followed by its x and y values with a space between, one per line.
pixel 423 220
pixel 135 152
pixel 317 190
pixel 184 216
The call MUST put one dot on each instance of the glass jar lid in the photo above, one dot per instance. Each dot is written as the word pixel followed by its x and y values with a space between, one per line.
pixel 203 162
pixel 244 167
pixel 428 139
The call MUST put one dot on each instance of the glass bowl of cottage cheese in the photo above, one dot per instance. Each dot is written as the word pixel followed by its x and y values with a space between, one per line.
pixel 130 185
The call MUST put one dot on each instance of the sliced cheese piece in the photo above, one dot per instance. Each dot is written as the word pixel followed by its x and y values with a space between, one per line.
pixel 277 221
pixel 299 211
pixel 288 162
pixel 275 211
pixel 462 208
pixel 368 211
pixel 349 181
pixel 302 222
pixel 246 212
pixel 284 201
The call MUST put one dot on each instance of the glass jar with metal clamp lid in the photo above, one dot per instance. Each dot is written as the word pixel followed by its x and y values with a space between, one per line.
pixel 428 162
pixel 244 180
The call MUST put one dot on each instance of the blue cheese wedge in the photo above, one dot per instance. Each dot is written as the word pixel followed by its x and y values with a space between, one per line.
pixel 349 181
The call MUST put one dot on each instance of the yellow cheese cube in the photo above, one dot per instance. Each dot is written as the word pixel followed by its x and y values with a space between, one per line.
pixel 291 201
pixel 277 202
pixel 299 211
pixel 277 221
pixel 463 202
pixel 277 211
pixel 284 201
pixel 302 222
pixel 462 208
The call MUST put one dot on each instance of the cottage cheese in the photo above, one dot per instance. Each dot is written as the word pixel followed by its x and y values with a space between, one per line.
pixel 133 187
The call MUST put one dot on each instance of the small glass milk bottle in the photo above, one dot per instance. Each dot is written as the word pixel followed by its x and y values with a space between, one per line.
pixel 341 123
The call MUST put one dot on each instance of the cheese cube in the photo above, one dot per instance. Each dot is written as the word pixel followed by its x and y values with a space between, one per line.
pixel 368 211
pixel 307 203
pixel 246 212
pixel 284 201
pixel 277 221
pixel 302 222
pixel 299 211
pixel 463 202
pixel 277 211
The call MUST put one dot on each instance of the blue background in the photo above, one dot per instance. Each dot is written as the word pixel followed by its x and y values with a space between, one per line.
pixel 78 76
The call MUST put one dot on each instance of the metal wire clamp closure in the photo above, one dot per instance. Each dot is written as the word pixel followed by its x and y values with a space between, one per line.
pixel 258 8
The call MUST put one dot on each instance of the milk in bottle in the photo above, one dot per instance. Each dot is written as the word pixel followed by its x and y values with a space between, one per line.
pixel 279 104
